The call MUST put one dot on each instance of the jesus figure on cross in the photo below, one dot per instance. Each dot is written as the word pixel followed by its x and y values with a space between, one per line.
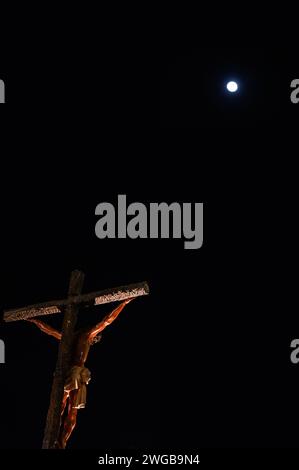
pixel 78 376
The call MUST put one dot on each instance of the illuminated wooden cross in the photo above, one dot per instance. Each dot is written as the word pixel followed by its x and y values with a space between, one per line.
pixel 55 435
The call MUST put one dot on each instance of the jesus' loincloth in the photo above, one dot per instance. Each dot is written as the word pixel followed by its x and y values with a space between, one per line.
pixel 77 380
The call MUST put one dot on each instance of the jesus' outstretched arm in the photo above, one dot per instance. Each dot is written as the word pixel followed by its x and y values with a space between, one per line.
pixel 46 328
pixel 108 319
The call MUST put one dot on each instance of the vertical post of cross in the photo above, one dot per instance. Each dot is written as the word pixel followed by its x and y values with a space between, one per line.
pixel 63 362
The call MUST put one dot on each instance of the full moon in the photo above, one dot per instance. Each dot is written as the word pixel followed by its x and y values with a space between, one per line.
pixel 232 87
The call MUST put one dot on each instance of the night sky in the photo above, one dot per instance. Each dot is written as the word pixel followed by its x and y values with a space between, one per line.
pixel 204 360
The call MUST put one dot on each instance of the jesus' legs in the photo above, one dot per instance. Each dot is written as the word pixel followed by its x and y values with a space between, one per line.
pixel 69 422
pixel 63 405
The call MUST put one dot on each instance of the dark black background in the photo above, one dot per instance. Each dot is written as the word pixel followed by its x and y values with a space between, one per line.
pixel 204 360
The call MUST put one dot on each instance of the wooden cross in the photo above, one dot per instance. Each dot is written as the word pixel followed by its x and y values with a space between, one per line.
pixel 70 307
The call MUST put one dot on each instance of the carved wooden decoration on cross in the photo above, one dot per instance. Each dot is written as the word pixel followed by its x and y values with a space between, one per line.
pixel 71 376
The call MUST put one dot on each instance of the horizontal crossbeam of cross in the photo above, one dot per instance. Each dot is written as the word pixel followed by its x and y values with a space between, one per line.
pixel 114 294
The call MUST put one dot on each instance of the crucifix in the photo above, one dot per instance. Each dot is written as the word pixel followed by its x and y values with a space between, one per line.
pixel 71 376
